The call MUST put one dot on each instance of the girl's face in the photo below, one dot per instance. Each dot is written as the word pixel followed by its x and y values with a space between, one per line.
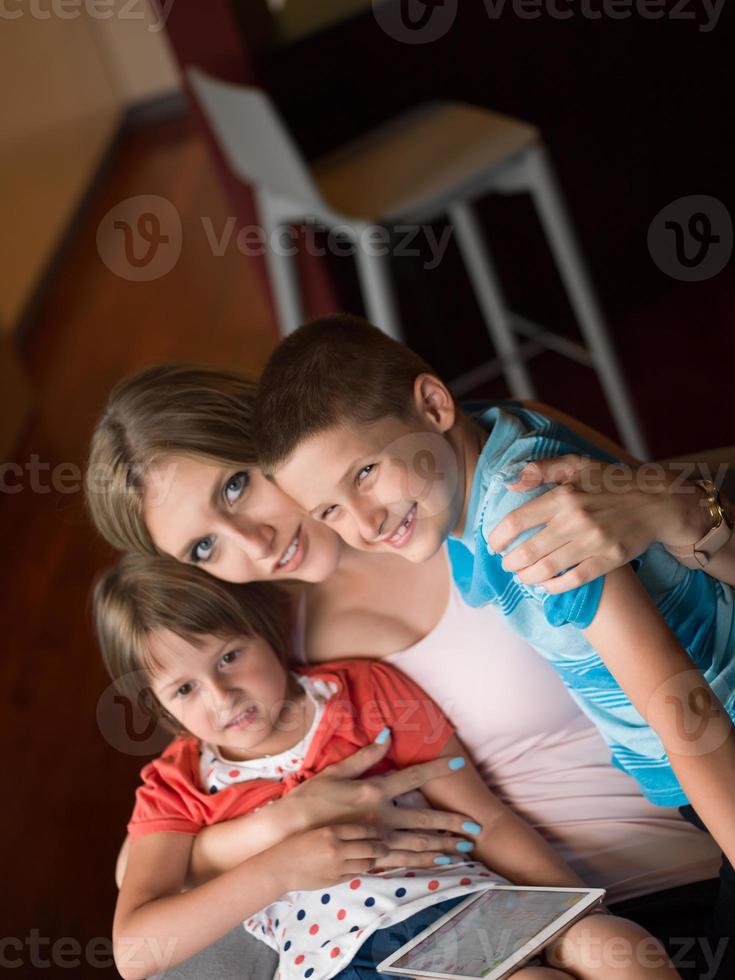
pixel 234 523
pixel 230 692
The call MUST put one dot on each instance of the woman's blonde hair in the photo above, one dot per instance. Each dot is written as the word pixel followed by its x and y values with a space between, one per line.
pixel 173 409
pixel 142 594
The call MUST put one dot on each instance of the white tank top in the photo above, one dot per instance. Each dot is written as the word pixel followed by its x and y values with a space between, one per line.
pixel 541 755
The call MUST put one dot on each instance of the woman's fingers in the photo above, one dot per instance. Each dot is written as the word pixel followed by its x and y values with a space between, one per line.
pixel 586 571
pixel 559 469
pixel 534 513
pixel 414 777
pixel 421 859
pixel 357 831
pixel 406 840
pixel 360 761
pixel 430 821
pixel 544 544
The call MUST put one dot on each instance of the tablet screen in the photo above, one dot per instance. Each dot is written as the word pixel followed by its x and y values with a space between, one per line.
pixel 482 936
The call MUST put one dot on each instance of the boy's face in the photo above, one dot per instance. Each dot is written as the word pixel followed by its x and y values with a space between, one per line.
pixel 229 692
pixel 392 486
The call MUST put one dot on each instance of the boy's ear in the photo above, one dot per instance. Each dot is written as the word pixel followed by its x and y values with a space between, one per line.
pixel 433 402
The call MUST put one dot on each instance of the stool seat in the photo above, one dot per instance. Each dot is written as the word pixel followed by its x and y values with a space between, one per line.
pixel 433 160
pixel 416 162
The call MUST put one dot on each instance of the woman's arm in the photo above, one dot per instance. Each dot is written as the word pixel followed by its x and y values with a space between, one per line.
pixel 602 515
pixel 667 690
pixel 157 925
pixel 506 844
pixel 338 795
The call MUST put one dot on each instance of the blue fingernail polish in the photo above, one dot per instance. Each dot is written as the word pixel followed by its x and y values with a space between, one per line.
pixel 470 827
pixel 382 737
pixel 443 859
pixel 457 762
pixel 465 845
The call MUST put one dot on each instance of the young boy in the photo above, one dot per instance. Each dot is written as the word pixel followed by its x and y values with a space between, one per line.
pixel 359 430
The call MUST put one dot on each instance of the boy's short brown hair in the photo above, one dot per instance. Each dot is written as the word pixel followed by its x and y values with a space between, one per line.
pixel 335 370
pixel 141 594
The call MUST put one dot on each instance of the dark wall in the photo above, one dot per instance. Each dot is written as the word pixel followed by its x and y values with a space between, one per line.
pixel 636 112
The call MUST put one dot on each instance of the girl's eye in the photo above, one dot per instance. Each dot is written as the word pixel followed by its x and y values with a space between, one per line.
pixel 202 550
pixel 325 513
pixel 235 487
pixel 362 474
pixel 183 690
pixel 229 657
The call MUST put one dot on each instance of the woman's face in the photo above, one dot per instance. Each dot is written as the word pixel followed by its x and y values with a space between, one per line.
pixel 234 523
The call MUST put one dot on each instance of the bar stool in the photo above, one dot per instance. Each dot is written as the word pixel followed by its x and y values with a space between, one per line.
pixel 429 161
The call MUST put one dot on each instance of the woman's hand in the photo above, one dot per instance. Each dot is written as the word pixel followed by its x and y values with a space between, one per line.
pixel 600 516
pixel 322 857
pixel 414 836
pixel 338 796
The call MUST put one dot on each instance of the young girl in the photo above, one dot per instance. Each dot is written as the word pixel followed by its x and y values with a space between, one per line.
pixel 207 658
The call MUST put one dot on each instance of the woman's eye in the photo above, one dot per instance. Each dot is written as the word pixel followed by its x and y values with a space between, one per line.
pixel 229 657
pixel 235 486
pixel 183 690
pixel 202 550
pixel 364 472
pixel 327 511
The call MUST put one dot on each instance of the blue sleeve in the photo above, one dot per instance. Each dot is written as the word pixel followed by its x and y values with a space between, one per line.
pixel 532 436
pixel 482 579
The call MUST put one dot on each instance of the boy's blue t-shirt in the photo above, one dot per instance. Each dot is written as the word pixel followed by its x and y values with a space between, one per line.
pixel 698 608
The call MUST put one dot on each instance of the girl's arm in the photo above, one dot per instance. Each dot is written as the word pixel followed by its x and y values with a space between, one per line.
pixel 661 681
pixel 337 795
pixel 506 844
pixel 157 925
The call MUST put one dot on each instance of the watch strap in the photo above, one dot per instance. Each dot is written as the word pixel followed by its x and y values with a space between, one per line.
pixel 701 553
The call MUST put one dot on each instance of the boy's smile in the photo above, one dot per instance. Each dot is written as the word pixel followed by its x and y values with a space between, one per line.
pixel 392 485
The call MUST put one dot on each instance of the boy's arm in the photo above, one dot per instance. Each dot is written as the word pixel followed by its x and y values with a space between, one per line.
pixel 661 681
pixel 506 844
pixel 157 925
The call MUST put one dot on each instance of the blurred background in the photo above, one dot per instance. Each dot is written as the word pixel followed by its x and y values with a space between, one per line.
pixel 125 243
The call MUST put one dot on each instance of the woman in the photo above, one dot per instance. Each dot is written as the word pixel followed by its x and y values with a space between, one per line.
pixel 172 470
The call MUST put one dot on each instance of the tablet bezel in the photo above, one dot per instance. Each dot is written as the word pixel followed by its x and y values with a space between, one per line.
pixel 532 946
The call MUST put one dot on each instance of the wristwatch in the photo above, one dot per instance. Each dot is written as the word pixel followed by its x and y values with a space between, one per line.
pixel 700 554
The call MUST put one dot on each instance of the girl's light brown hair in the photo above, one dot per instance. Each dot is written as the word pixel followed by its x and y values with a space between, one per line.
pixel 142 594
pixel 175 409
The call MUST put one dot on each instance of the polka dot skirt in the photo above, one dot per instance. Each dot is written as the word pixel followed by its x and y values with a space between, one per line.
pixel 317 933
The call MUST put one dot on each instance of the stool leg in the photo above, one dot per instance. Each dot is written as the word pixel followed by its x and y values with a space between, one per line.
pixel 378 294
pixel 284 277
pixel 489 295
pixel 555 221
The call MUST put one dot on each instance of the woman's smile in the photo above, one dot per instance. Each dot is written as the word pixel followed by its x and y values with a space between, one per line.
pixel 294 554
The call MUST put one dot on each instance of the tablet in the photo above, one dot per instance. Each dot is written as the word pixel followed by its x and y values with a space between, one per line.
pixel 492 933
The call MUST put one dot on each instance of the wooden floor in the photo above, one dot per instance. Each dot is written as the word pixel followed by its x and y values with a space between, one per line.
pixel 68 792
